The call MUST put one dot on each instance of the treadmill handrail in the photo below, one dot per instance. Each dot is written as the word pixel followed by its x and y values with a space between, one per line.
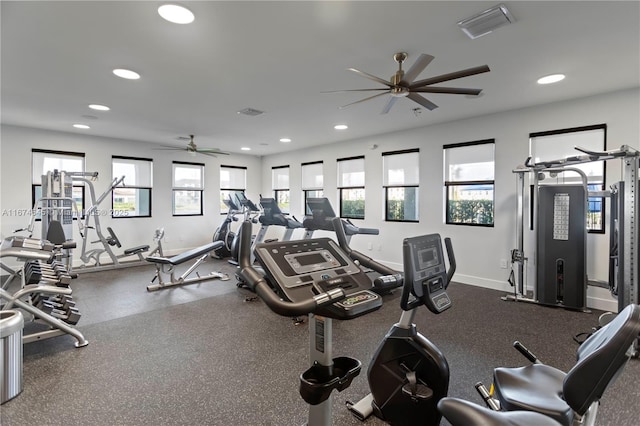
pixel 365 261
pixel 256 282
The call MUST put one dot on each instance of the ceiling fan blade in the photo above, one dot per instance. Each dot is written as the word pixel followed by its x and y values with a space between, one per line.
pixel 211 151
pixel 169 148
pixel 210 154
pixel 355 90
pixel 418 66
pixel 392 100
pixel 450 76
pixel 451 90
pixel 372 77
pixel 362 100
pixel 422 101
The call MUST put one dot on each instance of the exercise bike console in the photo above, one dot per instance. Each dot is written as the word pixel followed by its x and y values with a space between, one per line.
pixel 425 273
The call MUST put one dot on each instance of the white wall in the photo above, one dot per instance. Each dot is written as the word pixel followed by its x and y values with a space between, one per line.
pixel 478 249
pixel 180 232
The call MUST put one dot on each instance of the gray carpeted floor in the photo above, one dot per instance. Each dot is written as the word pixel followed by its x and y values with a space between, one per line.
pixel 201 354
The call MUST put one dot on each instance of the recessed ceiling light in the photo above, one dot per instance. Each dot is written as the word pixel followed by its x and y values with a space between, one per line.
pixel 553 78
pixel 340 127
pixel 245 148
pixel 285 140
pixel 98 107
pixel 81 126
pixel 128 74
pixel 176 14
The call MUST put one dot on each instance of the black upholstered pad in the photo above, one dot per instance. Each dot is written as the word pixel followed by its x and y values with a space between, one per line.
pixel 459 412
pixel 536 387
pixel 187 255
pixel 600 359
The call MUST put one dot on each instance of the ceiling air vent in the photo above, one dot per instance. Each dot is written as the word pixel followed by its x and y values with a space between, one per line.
pixel 250 112
pixel 485 22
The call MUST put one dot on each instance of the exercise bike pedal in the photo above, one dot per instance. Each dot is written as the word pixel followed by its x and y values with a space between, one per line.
pixel 416 391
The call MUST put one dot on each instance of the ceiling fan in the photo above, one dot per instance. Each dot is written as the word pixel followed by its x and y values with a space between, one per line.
pixel 193 149
pixel 403 85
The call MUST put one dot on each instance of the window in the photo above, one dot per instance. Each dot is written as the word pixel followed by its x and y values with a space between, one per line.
pixel 558 144
pixel 188 185
pixel 43 161
pixel 133 197
pixel 401 178
pixel 469 182
pixel 351 187
pixel 312 182
pixel 280 185
pixel 232 179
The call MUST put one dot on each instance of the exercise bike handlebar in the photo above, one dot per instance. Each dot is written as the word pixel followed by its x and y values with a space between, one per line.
pixel 256 282
pixel 452 260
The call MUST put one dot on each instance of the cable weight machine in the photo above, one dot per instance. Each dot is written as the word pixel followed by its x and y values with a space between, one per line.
pixel 623 267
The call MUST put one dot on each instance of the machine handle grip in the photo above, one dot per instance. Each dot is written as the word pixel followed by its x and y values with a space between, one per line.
pixel 452 261
pixel 525 352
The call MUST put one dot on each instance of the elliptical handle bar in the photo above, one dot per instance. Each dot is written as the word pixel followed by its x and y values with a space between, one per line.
pixel 256 282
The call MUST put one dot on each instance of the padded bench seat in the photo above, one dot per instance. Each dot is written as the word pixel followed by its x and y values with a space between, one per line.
pixel 136 250
pixel 187 255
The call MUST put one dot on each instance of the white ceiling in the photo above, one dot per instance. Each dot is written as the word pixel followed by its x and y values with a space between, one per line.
pixel 278 57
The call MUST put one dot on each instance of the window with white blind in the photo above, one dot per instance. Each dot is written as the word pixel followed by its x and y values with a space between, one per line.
pixel 469 183
pixel 559 144
pixel 401 176
pixel 43 161
pixel 232 179
pixel 351 187
pixel 312 182
pixel 280 185
pixel 188 187
pixel 133 197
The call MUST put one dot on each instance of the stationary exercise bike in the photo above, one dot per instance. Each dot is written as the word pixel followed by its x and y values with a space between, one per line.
pixel 408 374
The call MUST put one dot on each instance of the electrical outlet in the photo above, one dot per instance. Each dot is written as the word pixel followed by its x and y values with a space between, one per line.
pixel 503 263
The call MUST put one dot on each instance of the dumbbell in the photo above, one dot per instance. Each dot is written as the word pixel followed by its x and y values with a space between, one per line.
pixel 71 316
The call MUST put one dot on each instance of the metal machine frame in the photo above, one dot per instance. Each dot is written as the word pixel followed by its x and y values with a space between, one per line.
pixel 626 222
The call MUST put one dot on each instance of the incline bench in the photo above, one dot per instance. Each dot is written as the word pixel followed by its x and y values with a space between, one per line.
pixel 165 265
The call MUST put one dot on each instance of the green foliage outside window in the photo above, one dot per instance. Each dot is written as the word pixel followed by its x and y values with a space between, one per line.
pixel 470 211
pixel 353 209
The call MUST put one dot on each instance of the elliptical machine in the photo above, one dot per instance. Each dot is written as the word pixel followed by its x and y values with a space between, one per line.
pixel 223 232
pixel 408 374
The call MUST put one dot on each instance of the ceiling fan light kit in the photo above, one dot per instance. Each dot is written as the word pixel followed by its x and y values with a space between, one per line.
pixel 402 85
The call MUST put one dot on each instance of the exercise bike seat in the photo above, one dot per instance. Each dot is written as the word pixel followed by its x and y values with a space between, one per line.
pixel 459 412
pixel 600 359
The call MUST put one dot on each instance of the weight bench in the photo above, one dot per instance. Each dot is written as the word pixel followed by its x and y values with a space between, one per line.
pixel 166 265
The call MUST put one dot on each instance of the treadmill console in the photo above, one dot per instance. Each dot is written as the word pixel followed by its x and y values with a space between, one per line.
pixel 300 269
pixel 425 273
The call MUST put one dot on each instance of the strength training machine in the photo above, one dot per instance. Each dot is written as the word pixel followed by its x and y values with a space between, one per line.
pixel 91 257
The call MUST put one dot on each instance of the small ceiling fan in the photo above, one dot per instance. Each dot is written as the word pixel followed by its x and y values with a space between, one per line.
pixel 193 149
pixel 403 85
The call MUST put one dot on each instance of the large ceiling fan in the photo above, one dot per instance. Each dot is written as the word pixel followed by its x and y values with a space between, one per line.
pixel 193 149
pixel 403 85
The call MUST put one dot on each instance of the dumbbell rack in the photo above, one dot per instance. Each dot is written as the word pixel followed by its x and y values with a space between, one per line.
pixel 45 294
